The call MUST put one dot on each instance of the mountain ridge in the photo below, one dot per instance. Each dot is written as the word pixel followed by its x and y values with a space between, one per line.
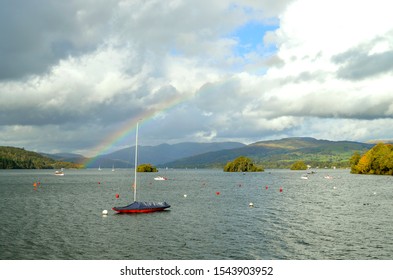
pixel 282 153
pixel 279 153
pixel 269 153
pixel 157 155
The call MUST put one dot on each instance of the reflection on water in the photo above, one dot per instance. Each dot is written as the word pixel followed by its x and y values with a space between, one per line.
pixel 345 217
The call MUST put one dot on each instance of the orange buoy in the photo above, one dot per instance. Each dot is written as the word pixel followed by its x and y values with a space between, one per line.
pixel 266 187
pixel 99 182
pixel 217 193
pixel 280 189
pixel 117 195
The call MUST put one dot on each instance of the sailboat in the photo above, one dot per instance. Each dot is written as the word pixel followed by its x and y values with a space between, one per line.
pixel 113 167
pixel 138 206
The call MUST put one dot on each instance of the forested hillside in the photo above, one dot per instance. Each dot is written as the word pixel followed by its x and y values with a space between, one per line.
pixel 19 158
pixel 282 154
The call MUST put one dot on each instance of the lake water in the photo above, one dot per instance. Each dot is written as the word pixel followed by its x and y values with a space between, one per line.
pixel 346 217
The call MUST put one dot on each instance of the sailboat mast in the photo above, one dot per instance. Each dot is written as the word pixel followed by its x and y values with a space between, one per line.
pixel 136 158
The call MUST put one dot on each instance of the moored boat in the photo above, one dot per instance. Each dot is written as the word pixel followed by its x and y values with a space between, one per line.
pixel 59 172
pixel 137 206
pixel 142 207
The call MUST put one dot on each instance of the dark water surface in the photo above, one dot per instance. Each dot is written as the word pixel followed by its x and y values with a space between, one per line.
pixel 347 217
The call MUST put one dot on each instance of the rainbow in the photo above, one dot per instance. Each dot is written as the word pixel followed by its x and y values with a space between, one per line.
pixel 127 127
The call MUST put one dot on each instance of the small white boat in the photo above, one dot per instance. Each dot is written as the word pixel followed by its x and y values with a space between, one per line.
pixel 160 178
pixel 59 173
pixel 328 177
pixel 304 177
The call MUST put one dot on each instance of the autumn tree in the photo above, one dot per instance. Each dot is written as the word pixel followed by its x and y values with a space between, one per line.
pixel 354 161
pixel 378 160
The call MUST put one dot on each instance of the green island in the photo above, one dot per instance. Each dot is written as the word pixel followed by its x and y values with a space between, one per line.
pixel 19 158
pixel 146 167
pixel 378 160
pixel 242 164
pixel 298 165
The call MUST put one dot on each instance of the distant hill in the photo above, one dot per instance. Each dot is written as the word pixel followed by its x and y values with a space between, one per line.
pixel 19 158
pixel 281 153
pixel 160 154
pixel 70 157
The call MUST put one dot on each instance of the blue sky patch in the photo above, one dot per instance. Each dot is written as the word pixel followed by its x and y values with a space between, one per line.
pixel 250 38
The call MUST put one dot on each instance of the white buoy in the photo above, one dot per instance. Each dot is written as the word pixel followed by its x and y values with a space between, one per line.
pixel 375 193
pixel 251 204
pixel 104 212
pixel 185 195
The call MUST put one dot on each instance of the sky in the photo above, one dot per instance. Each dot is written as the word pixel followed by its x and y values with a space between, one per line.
pixel 76 76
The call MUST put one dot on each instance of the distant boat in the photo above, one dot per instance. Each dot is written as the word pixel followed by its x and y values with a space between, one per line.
pixel 304 177
pixel 99 167
pixel 136 206
pixel 328 177
pixel 59 173
pixel 160 178
pixel 113 167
